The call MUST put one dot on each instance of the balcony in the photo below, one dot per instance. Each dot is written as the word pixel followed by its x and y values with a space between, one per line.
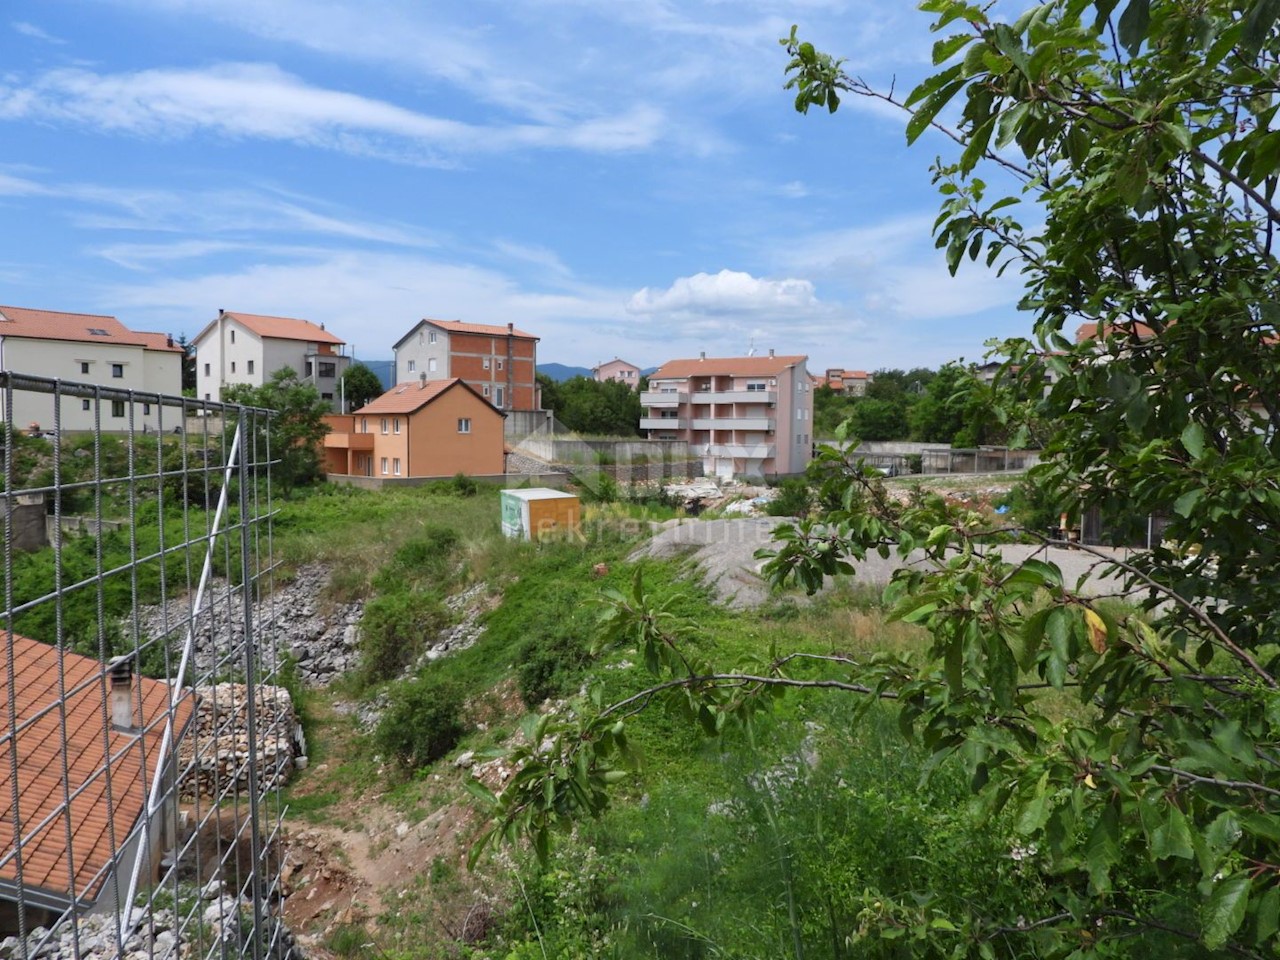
pixel 663 423
pixel 736 396
pixel 659 398
pixel 743 451
pixel 734 423
pixel 349 441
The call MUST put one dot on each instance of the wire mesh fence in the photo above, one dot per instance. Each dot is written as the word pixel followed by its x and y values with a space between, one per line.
pixel 147 728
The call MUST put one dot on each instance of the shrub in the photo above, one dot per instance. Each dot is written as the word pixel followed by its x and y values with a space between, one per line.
pixel 396 630
pixel 551 662
pixel 422 723
pixel 793 500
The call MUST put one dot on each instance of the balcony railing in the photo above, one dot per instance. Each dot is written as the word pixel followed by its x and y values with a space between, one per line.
pixel 735 396
pixel 658 398
pixel 745 451
pixel 734 423
pixel 663 423
pixel 349 441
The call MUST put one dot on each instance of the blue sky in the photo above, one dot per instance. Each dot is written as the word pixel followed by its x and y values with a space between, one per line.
pixel 617 176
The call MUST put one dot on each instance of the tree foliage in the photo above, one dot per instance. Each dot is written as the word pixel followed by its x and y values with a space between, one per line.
pixel 1136 752
pixel 609 408
pixel 291 434
pixel 359 386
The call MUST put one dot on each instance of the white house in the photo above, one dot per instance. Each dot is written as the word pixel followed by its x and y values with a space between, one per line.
pixel 86 348
pixel 248 348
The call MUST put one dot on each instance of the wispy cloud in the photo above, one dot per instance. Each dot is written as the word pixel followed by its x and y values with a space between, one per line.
pixel 35 33
pixel 261 101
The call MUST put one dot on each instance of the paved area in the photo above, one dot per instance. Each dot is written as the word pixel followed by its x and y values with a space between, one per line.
pixel 724 550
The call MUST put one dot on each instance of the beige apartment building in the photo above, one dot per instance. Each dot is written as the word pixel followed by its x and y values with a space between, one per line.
pixel 86 348
pixel 743 416
pixel 247 348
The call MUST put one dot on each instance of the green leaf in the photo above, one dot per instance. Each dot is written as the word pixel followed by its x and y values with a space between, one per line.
pixel 931 107
pixel 1258 24
pixel 1224 911
pixel 1133 24
pixel 1102 851
pixel 1173 837
pixel 1268 914
pixel 1187 502
pixel 1193 439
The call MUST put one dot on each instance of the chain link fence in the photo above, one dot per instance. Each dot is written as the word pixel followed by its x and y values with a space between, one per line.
pixel 148 728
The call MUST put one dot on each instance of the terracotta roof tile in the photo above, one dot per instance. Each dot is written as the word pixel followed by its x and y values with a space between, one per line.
pixel 54 325
pixel 413 395
pixel 285 328
pixel 93 753
pixel 487 329
pixel 724 367
pixel 158 341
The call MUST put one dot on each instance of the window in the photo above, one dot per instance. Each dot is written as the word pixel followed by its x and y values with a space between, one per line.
pixel 233 366
pixel 755 387
pixel 84 366
pixel 233 336
pixel 486 389
pixel 206 370
pixel 146 409
pixel 395 425
pixel 413 365
pixel 497 396
pixel 250 366
pixel 499 364
pixel 86 405
pixel 384 431
pixel 384 466
pixel 464 424
pixel 97 332
pixel 431 337
pixel 395 466
pixel 485 363
pixel 431 365
pixel 328 369
pixel 326 396
pixel 117 370
pixel 117 408
pixel 364 424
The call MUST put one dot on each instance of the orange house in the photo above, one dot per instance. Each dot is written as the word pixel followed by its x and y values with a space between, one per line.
pixel 422 428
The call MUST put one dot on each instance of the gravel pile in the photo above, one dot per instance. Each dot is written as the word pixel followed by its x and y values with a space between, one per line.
pixel 322 637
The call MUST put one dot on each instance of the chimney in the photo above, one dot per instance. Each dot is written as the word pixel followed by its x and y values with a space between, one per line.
pixel 702 355
pixel 771 353
pixel 122 695
pixel 422 381
pixel 511 328
pixel 169 339
pixel 321 324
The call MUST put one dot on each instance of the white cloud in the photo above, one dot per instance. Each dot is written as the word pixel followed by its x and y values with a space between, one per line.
pixel 729 291
pixel 31 30
pixel 261 101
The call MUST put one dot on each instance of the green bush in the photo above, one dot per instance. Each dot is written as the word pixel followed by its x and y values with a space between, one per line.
pixel 422 723
pixel 552 662
pixel 395 631
pixel 793 500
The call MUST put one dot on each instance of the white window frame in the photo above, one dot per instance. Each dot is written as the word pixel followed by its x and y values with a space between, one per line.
pixel 384 466
pixel 464 424
pixel 499 363
pixel 485 363
pixel 498 396
pixel 431 337
pixel 395 466
pixel 413 366
pixel 384 432
pixel 431 365
pixel 395 426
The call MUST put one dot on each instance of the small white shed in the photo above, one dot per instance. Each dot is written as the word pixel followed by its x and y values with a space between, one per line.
pixel 531 513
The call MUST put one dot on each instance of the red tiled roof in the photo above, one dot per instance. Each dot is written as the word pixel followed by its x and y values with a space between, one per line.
pixel 484 329
pixel 725 367
pixel 42 752
pixel 285 328
pixel 1089 331
pixel 413 395
pixel 158 341
pixel 55 325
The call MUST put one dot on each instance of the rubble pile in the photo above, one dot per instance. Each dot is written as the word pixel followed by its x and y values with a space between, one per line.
pixel 214 755
pixel 321 637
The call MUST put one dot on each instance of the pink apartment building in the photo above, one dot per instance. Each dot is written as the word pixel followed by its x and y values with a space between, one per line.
pixel 619 370
pixel 743 416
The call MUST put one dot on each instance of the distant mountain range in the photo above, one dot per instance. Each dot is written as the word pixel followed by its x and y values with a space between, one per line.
pixel 560 371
